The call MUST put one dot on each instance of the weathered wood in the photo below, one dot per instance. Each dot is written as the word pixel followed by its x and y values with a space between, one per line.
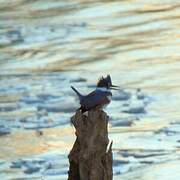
pixel 89 158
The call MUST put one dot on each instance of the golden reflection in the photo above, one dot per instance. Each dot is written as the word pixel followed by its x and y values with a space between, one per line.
pixel 23 113
pixel 27 143
pixel 148 125
pixel 155 7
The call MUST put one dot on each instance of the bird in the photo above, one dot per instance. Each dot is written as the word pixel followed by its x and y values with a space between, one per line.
pixel 99 98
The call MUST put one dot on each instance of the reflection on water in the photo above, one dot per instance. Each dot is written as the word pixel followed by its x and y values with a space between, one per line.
pixel 46 46
pixel 25 143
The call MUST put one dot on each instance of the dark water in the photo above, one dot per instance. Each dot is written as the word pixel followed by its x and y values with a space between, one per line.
pixel 47 46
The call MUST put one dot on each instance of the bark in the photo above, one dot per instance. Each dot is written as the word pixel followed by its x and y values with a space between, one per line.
pixel 89 158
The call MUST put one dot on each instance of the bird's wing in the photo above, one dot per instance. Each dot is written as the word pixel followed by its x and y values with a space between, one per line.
pixel 94 99
pixel 93 93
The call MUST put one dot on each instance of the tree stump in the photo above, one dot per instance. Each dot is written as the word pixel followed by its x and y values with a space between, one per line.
pixel 89 158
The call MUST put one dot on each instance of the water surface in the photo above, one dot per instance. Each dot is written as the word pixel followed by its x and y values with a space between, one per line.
pixel 47 46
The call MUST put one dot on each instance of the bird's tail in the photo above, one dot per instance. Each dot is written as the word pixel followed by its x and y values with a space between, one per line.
pixel 78 93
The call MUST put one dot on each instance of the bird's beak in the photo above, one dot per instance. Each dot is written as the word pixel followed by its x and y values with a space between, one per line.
pixel 115 87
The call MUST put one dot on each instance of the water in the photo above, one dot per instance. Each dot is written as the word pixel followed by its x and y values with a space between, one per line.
pixel 47 46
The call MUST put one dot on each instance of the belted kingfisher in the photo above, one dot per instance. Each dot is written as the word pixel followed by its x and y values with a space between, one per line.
pixel 99 98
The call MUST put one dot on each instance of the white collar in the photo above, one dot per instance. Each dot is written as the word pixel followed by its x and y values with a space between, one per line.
pixel 103 89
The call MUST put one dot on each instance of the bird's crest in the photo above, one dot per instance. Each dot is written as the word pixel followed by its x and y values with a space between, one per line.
pixel 105 82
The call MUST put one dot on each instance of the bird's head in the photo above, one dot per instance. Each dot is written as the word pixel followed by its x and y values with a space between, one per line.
pixel 106 83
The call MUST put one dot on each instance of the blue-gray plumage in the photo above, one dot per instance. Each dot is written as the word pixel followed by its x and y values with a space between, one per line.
pixel 99 98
